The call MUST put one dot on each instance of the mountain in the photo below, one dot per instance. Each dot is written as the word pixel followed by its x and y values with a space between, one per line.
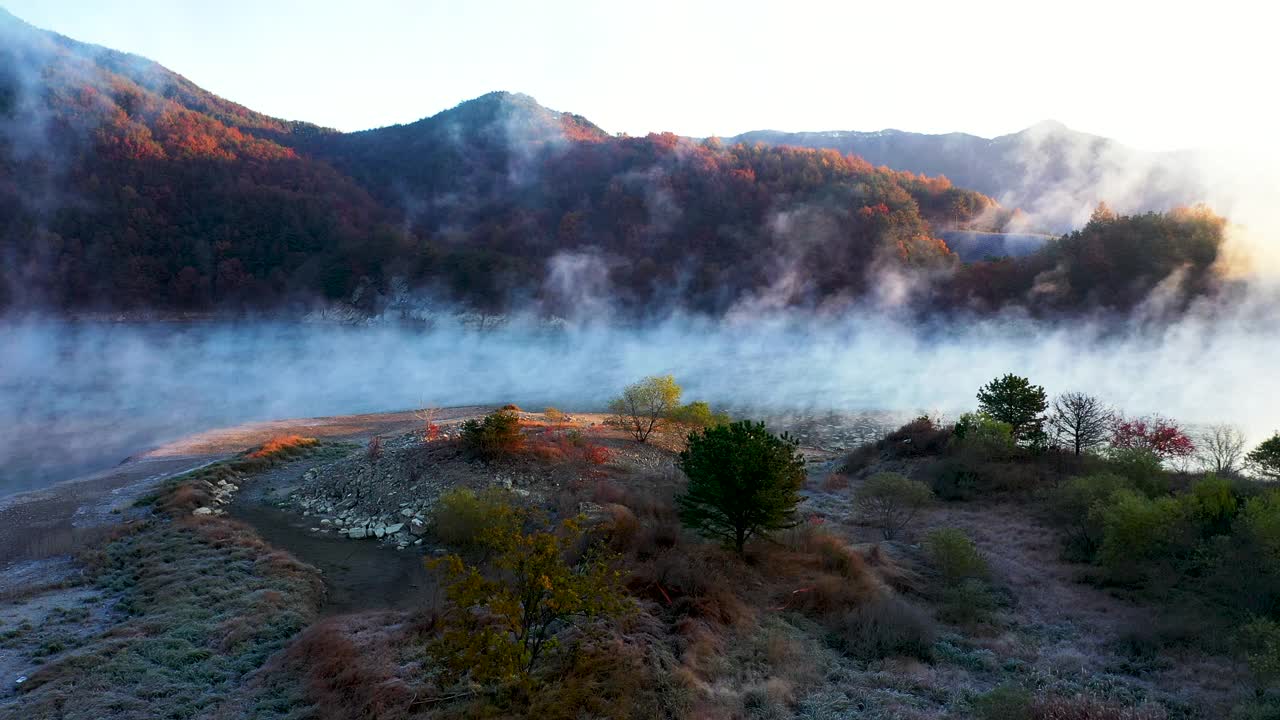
pixel 124 186
pixel 1056 175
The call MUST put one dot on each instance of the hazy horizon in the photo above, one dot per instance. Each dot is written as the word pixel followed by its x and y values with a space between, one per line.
pixel 398 62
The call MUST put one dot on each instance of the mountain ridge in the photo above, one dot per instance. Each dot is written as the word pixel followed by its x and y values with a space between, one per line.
pixel 123 184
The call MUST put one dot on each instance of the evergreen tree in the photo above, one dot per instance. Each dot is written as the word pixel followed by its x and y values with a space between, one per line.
pixel 1014 400
pixel 743 481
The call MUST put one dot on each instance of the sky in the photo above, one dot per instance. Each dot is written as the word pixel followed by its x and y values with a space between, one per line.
pixel 1155 75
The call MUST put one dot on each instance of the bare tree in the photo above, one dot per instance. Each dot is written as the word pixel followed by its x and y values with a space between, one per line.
pixel 1221 448
pixel 1079 421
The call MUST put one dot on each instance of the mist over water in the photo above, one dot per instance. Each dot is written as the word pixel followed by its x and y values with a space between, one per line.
pixel 76 397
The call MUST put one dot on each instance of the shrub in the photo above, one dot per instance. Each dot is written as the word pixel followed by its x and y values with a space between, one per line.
pixel 1070 505
pixel 743 481
pixel 1142 467
pixel 1212 505
pixel 555 415
pixel 917 438
pixel 965 596
pixel 497 436
pixel 886 626
pixel 511 407
pixel 955 480
pixel 697 415
pixel 1084 708
pixel 596 454
pixel 1138 532
pixel 1260 522
pixel 373 451
pixel 954 555
pixel 1260 641
pixel 966 602
pixel 984 436
pixel 891 501
pixel 1007 702
pixel 462 517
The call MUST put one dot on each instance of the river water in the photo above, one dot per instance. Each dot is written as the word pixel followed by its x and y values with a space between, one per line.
pixel 82 396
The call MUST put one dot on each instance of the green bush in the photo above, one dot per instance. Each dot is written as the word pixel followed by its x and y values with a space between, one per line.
pixel 955 480
pixel 954 555
pixel 981 435
pixel 698 415
pixel 1070 506
pixel 495 437
pixel 1007 702
pixel 1142 468
pixel 462 516
pixel 1212 505
pixel 1261 709
pixel 1260 641
pixel 1260 524
pixel 966 602
pixel 1139 534
pixel 891 501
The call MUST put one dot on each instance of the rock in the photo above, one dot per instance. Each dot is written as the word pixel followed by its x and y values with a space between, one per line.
pixel 417 527
pixel 202 511
pixel 407 512
pixel 356 533
pixel 379 531
pixel 393 529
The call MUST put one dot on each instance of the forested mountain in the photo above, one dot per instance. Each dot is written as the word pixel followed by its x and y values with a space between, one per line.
pixel 1055 174
pixel 125 186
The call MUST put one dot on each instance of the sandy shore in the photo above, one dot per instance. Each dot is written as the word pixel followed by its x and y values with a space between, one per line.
pixel 42 518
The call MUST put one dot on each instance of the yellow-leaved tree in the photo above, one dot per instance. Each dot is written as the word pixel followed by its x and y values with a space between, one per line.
pixel 505 615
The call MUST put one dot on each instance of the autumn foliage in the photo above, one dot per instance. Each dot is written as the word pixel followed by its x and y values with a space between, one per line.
pixel 1157 435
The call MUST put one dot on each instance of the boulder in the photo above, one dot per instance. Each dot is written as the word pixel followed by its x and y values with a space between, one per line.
pixel 356 533
pixel 393 529
pixel 379 531
pixel 202 511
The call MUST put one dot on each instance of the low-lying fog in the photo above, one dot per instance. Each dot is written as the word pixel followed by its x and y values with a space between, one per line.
pixel 82 396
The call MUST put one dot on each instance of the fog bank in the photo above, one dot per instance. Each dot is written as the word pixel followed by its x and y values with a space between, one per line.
pixel 85 395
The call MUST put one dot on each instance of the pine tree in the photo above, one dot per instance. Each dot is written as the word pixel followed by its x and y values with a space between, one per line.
pixel 743 481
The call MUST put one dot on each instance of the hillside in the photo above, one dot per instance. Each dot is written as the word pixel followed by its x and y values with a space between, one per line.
pixel 1054 173
pixel 123 186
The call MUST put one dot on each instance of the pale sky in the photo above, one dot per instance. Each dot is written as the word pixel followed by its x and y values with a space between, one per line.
pixel 1155 75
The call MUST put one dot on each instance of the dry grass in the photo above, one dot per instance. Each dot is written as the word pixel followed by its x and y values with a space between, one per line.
pixel 200 605
pixel 282 445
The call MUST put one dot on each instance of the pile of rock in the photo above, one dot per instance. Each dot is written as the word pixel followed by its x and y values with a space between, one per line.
pixel 405 529
pixel 220 494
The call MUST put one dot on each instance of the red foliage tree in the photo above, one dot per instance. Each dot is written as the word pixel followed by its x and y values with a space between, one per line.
pixel 1158 435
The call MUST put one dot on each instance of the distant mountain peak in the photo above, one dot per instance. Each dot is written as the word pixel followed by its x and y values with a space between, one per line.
pixel 1048 126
